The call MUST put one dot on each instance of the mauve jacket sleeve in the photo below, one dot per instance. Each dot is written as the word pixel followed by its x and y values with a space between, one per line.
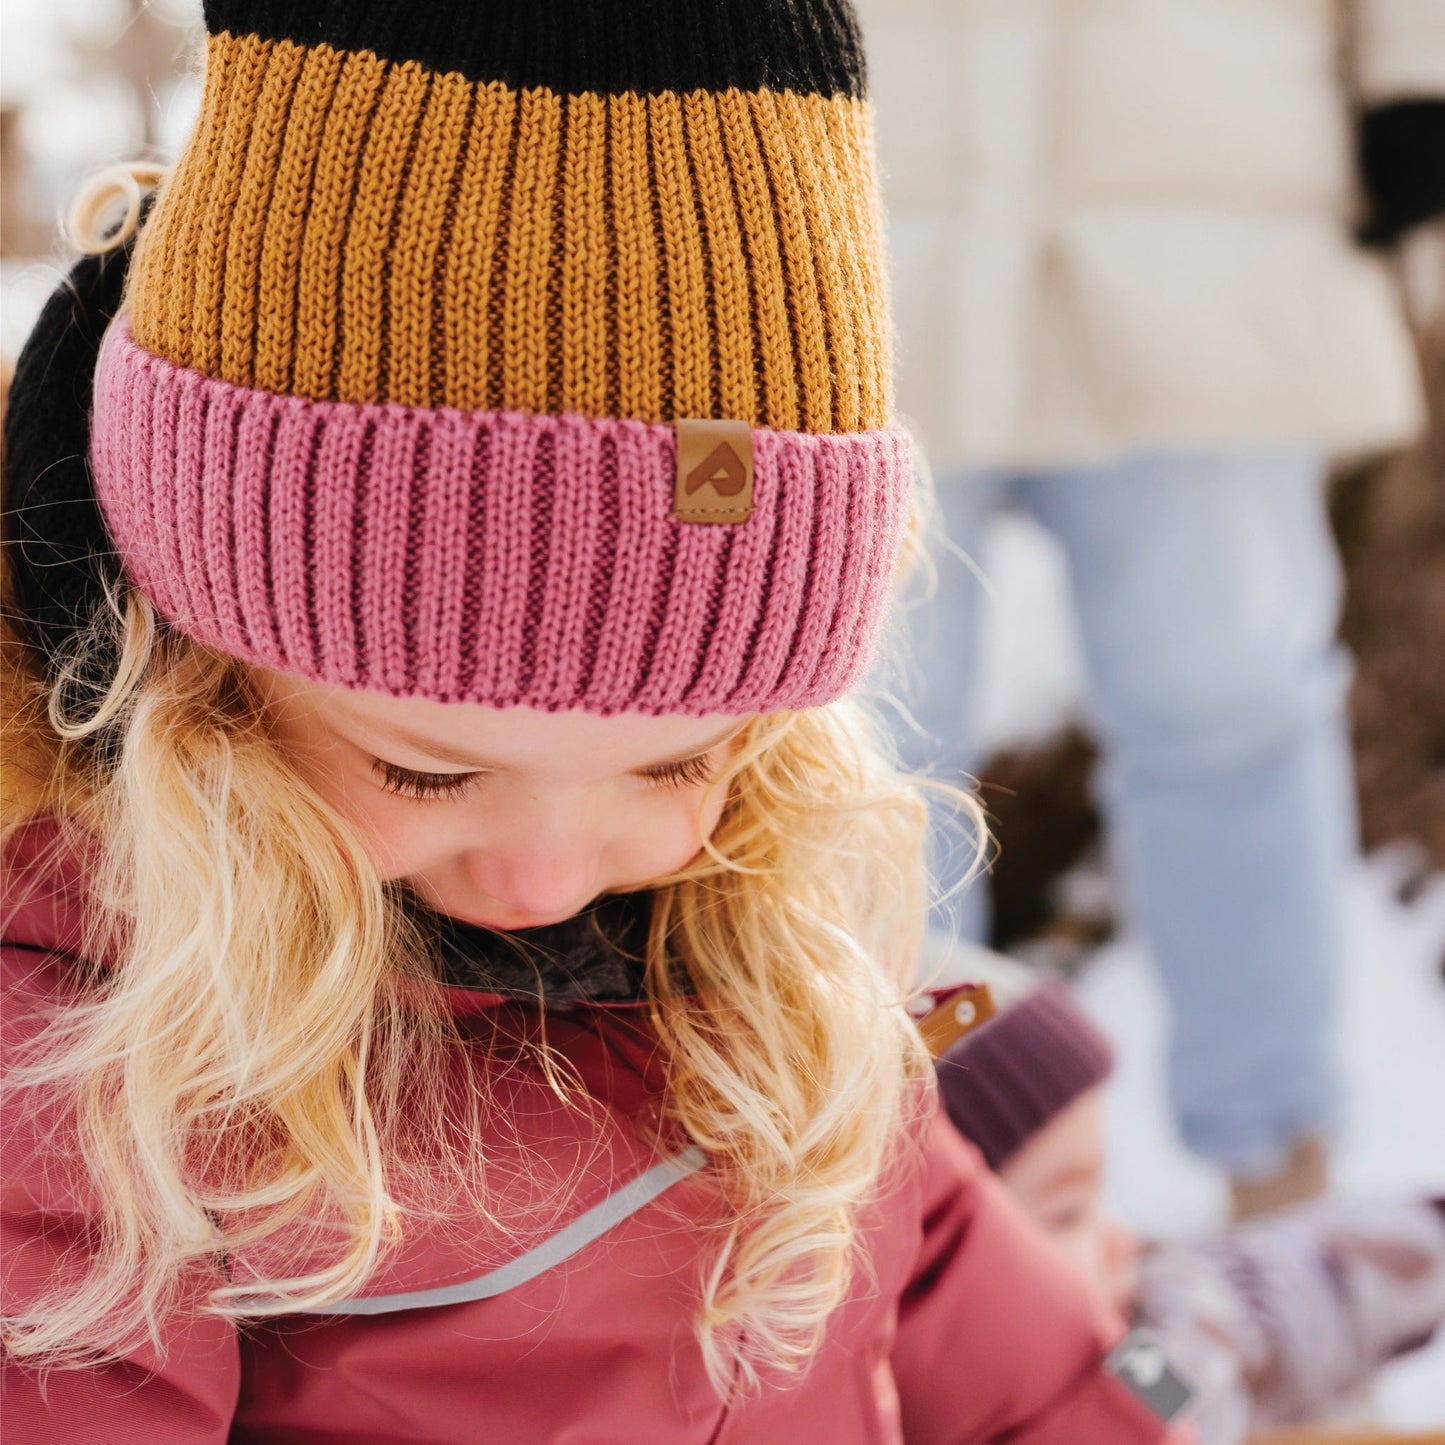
pixel 997 1341
pixel 182 1393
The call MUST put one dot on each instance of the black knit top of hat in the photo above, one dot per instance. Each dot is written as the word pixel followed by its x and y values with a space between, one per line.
pixel 606 47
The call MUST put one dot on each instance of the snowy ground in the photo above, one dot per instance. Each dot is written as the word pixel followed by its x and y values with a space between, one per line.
pixel 1393 1137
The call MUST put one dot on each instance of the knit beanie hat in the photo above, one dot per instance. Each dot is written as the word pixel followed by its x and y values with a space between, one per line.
pixel 516 353
pixel 1008 1078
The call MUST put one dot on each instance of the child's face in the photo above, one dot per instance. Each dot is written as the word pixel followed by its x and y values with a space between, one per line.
pixel 1058 1178
pixel 508 819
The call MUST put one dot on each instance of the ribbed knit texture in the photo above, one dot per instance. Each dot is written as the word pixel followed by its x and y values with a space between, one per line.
pixel 345 229
pixel 391 402
pixel 504 558
pixel 1006 1080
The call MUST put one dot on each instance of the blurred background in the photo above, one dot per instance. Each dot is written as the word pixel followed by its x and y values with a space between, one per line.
pixel 1169 287
pixel 84 83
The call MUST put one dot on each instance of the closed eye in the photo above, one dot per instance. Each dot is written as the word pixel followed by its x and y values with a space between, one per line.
pixel 689 773
pixel 407 783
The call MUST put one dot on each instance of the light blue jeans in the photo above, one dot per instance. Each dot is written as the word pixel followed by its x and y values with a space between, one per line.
pixel 1207 591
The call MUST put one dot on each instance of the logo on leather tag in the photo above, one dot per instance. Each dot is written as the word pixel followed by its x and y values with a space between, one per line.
pixel 714 472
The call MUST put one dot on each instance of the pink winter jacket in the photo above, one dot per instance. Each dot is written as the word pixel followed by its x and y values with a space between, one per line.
pixel 574 1323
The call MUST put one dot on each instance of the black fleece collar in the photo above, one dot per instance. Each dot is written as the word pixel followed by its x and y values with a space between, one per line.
pixel 595 957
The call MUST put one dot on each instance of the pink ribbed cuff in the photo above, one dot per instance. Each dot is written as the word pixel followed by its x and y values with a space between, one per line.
pixel 500 558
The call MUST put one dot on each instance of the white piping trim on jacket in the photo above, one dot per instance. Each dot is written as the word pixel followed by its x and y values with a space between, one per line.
pixel 551 1252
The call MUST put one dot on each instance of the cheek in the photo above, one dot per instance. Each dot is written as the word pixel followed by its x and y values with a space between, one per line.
pixel 706 820
pixel 1085 1245
pixel 1073 1234
pixel 663 833
pixel 1077 1246
pixel 399 836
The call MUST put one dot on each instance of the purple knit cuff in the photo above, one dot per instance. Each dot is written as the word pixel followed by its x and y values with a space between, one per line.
pixel 501 558
pixel 1008 1078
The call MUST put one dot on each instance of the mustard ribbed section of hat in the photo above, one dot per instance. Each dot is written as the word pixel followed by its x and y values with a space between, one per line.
pixel 347 228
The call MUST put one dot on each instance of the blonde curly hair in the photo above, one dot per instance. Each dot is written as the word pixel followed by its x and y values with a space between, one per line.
pixel 263 1013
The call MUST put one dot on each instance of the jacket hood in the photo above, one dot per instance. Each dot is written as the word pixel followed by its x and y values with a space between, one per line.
pixel 45 897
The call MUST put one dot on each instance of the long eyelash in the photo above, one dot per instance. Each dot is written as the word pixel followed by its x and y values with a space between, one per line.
pixel 409 784
pixel 690 773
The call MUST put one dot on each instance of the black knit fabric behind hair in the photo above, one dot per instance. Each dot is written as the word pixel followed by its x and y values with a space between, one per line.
pixel 55 541
pixel 570 46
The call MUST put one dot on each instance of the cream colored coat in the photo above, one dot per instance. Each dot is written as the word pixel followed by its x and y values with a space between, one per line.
pixel 1125 223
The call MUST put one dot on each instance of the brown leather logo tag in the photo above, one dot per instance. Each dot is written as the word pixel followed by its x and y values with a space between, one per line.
pixel 714 472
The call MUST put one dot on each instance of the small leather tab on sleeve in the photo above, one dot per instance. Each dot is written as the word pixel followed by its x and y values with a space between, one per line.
pixel 957 1012
pixel 1105 1410
pixel 1142 1365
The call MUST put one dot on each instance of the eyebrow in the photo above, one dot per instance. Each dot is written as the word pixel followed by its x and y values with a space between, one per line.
pixel 1069 1176
pixel 442 752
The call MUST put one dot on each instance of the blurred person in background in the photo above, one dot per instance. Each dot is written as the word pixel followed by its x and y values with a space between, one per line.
pixel 1134 299
pixel 1278 1321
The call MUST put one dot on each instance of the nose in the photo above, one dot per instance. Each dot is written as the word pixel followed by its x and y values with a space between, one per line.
pixel 1120 1264
pixel 545 867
